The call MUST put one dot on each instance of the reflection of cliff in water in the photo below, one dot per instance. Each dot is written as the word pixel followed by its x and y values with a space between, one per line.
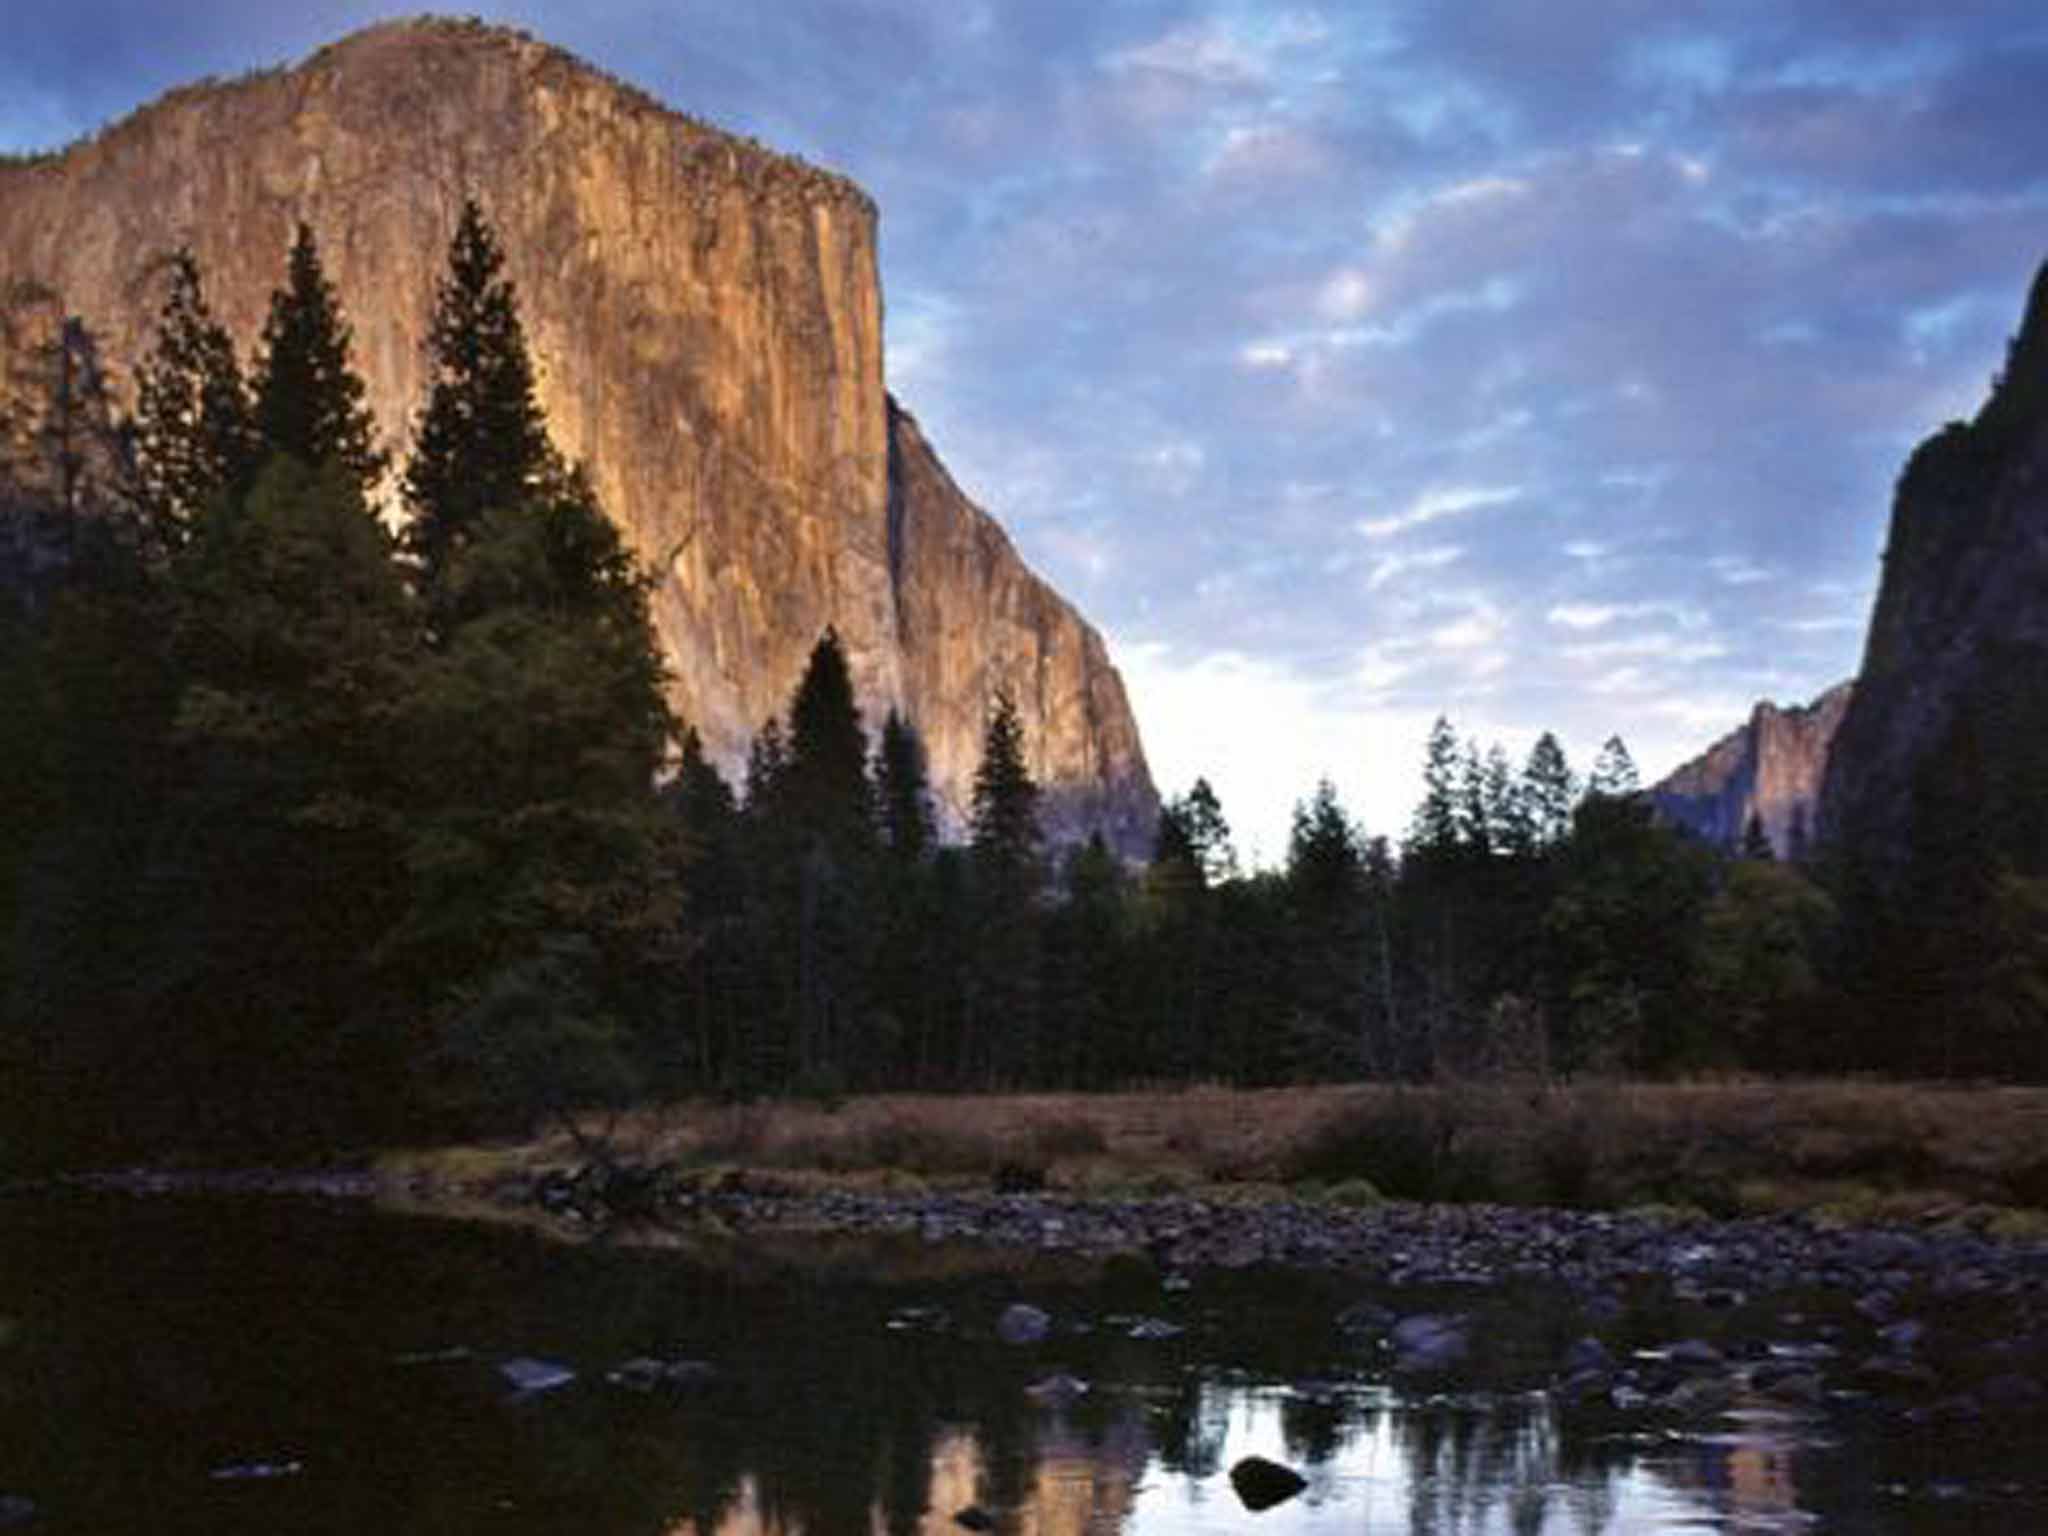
pixel 1153 1459
pixel 149 1345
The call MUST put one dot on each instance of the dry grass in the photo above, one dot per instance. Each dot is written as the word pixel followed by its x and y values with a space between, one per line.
pixel 1867 1150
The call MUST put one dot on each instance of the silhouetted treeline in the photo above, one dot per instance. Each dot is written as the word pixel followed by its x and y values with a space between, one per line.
pixel 312 834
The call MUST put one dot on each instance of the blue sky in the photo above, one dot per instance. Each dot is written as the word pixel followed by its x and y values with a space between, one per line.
pixel 1546 366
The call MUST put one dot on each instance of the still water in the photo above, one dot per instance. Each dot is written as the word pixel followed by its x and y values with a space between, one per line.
pixel 264 1365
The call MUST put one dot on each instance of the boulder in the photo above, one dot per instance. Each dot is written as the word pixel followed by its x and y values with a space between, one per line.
pixel 1428 1344
pixel 529 1376
pixel 1023 1323
pixel 1260 1484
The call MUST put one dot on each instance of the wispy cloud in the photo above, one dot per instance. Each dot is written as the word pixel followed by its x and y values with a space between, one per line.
pixel 1388 568
pixel 1257 325
pixel 1435 505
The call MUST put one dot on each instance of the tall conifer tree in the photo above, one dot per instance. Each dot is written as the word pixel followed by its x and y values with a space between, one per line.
pixel 309 400
pixel 194 431
pixel 1002 1001
pixel 903 791
pixel 1005 834
pixel 481 441
pixel 827 786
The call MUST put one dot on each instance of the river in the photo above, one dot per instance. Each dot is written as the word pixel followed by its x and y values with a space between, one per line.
pixel 174 1364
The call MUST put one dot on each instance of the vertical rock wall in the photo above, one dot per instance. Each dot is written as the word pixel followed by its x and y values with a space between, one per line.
pixel 707 323
pixel 1771 767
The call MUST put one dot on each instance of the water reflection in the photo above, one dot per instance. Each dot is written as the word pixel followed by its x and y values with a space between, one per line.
pixel 1373 1464
pixel 153 1347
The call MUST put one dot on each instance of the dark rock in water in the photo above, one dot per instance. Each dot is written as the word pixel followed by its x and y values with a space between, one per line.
pixel 1429 1345
pixel 1627 1399
pixel 255 1471
pixel 1894 1374
pixel 1702 1397
pixel 918 1320
pixel 1801 1387
pixel 1058 1390
pixel 1805 1352
pixel 1904 1336
pixel 1587 1354
pixel 1261 1484
pixel 527 1375
pixel 456 1354
pixel 1151 1329
pixel 1948 1413
pixel 1365 1320
pixel 15 1511
pixel 1584 1387
pixel 646 1375
pixel 1694 1355
pixel 975 1518
pixel 1023 1323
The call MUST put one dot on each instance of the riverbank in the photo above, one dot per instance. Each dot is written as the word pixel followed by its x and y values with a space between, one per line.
pixel 1845 1152
pixel 1933 1317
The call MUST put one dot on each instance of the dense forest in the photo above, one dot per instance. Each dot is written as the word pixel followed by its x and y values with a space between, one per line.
pixel 314 835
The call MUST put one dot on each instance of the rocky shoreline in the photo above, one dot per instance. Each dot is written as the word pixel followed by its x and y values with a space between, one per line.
pixel 1670 1315
pixel 1669 1318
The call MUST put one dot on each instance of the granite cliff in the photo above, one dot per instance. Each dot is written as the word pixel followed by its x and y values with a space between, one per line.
pixel 1947 736
pixel 1771 767
pixel 706 320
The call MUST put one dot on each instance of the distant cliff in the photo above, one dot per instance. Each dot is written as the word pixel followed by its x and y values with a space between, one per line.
pixel 1772 767
pixel 707 323
pixel 1948 732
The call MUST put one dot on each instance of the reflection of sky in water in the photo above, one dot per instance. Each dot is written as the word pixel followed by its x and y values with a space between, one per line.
pixel 1427 1469
pixel 1433 1469
pixel 1479 1470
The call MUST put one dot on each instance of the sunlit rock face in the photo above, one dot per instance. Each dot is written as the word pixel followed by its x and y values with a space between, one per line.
pixel 707 323
pixel 1771 768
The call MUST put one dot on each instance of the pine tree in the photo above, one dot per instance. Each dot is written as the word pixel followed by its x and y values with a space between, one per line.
pixel 545 892
pixel 1511 830
pixel 1475 823
pixel 903 791
pixel 1325 873
pixel 281 863
pixel 1614 771
pixel 1208 833
pixel 827 782
pixel 1175 864
pixel 1323 861
pixel 481 441
pixel 194 432
pixel 308 398
pixel 1004 831
pixel 1437 830
pixel 709 1005
pixel 767 766
pixel 1002 1006
pixel 64 457
pixel 1549 789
